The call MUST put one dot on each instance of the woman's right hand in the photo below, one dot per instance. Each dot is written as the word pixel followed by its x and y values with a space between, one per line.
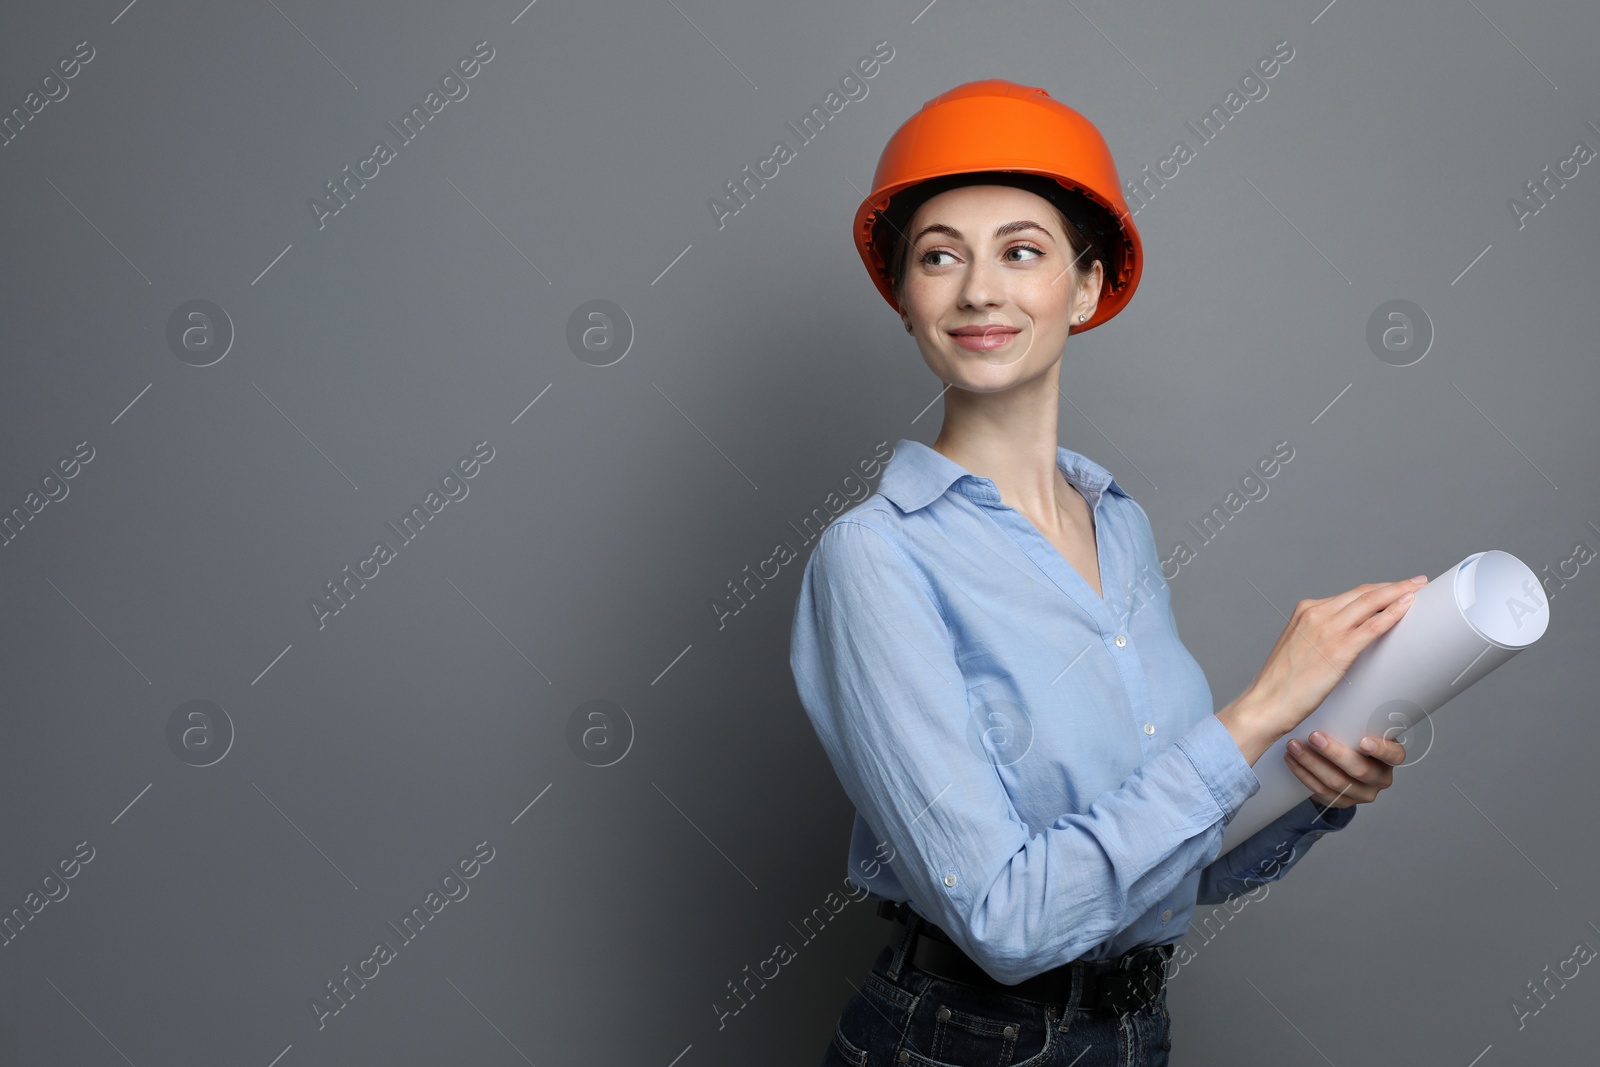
pixel 1322 640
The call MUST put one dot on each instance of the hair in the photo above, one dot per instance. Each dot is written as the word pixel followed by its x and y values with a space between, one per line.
pixel 1088 228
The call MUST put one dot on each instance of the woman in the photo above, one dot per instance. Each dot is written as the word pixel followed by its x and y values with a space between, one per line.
pixel 986 649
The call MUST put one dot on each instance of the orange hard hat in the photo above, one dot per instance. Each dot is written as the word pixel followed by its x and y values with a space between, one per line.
pixel 997 130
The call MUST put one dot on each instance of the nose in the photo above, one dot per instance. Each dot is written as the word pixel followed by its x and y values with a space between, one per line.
pixel 981 285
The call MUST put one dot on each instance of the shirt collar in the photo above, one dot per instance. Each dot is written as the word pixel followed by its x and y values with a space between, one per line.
pixel 917 475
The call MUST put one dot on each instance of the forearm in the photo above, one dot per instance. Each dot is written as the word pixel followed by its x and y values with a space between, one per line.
pixel 1268 854
pixel 1087 877
pixel 1250 722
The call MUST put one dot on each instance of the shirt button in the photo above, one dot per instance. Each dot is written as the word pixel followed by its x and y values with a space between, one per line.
pixel 1121 641
pixel 950 879
pixel 1166 914
pixel 1149 727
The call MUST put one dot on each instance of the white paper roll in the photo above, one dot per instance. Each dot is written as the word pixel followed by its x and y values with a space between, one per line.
pixel 1463 624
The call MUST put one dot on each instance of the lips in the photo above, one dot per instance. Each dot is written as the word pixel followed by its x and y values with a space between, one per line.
pixel 984 338
pixel 986 328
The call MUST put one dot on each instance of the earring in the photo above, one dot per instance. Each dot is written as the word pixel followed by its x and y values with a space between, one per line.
pixel 1084 317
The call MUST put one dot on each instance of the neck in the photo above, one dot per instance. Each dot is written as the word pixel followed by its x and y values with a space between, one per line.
pixel 1010 437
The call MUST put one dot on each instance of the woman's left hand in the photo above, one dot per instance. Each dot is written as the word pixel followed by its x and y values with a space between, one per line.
pixel 1340 776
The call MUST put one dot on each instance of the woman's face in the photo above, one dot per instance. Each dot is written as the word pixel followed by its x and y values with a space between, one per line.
pixel 990 287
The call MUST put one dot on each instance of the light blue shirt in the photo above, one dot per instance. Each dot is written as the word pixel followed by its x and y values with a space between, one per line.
pixel 1037 770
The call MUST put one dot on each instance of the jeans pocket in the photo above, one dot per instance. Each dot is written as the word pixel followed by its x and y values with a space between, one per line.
pixel 846 1052
pixel 957 1024
pixel 873 1021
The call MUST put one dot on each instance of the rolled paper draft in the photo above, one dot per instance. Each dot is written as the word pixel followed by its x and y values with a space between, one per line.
pixel 1463 624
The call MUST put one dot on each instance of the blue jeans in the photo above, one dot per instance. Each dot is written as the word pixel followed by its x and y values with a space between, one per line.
pixel 901 1014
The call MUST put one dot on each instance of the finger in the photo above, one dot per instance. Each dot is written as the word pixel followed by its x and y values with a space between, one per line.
pixel 1324 797
pixel 1315 771
pixel 1336 762
pixel 1356 605
pixel 1362 787
pixel 1319 792
pixel 1386 749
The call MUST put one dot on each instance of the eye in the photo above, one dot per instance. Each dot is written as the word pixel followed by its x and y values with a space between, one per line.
pixel 1024 248
pixel 924 258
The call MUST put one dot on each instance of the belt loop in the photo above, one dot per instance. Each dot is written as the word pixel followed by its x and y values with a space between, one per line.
pixel 907 941
pixel 1074 997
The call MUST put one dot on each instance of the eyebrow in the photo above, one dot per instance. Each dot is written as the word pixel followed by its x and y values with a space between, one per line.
pixel 1004 230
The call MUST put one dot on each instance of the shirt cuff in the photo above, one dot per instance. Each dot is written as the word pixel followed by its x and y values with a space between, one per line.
pixel 1220 764
pixel 1333 818
pixel 1303 819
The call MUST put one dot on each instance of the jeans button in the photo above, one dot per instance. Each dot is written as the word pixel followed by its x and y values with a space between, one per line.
pixel 943 1014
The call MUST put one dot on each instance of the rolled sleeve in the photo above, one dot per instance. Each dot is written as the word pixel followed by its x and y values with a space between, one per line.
pixel 1220 764
pixel 1271 852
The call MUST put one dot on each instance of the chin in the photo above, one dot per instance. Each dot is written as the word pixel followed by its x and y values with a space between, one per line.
pixel 989 379
pixel 998 359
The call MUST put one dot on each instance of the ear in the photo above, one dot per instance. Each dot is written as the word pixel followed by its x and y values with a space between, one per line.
pixel 1088 294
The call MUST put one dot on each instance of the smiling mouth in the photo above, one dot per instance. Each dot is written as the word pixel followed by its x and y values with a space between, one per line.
pixel 985 338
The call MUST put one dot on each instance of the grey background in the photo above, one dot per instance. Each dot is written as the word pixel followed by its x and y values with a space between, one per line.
pixel 369 756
